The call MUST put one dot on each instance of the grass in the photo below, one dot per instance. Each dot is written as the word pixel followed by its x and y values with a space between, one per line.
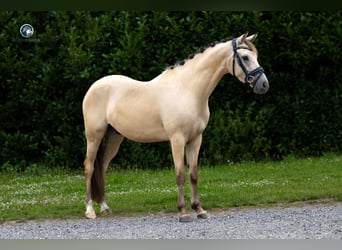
pixel 48 193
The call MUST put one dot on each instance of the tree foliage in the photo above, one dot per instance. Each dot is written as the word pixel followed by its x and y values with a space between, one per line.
pixel 43 80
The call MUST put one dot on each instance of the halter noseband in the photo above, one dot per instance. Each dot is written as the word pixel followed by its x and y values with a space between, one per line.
pixel 252 76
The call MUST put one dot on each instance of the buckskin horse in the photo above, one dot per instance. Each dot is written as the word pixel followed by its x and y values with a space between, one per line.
pixel 171 107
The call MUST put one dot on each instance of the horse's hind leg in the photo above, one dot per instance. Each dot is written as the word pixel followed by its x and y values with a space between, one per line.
pixel 192 151
pixel 112 144
pixel 93 142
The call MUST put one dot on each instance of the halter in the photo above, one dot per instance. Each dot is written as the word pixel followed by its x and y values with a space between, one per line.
pixel 252 76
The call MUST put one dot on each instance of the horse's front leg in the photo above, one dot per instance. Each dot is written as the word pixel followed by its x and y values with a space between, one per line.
pixel 192 152
pixel 177 147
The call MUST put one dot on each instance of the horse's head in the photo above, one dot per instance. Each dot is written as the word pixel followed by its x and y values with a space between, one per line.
pixel 245 64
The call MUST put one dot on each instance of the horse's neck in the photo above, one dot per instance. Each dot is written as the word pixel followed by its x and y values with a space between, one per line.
pixel 202 73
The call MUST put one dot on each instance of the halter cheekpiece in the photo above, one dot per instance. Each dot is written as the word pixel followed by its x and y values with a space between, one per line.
pixel 252 76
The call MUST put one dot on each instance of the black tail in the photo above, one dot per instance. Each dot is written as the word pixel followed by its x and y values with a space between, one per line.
pixel 97 180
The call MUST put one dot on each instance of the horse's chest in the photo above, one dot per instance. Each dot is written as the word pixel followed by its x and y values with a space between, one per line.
pixel 195 122
pixel 200 123
pixel 184 115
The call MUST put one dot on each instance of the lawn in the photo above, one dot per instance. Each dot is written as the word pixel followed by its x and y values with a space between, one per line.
pixel 59 193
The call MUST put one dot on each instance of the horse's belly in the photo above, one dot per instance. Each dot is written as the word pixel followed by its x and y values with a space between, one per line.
pixel 140 127
pixel 144 134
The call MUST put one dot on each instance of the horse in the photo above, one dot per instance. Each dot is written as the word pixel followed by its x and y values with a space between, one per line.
pixel 172 107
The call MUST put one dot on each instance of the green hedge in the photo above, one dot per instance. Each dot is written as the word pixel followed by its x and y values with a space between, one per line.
pixel 43 81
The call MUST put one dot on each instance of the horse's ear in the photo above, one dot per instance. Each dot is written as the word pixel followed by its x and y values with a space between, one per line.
pixel 241 38
pixel 252 37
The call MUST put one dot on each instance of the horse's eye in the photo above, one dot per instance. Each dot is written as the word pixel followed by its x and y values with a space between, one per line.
pixel 245 58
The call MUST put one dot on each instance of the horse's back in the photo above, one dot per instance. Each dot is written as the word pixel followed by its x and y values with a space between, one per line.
pixel 111 81
pixel 106 86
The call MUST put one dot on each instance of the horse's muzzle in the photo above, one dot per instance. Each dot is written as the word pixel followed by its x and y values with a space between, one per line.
pixel 261 86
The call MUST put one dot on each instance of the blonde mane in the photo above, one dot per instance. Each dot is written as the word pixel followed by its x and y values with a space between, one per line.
pixel 200 51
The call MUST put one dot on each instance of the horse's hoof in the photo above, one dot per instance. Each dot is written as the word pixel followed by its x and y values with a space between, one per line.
pixel 90 215
pixel 185 218
pixel 203 215
pixel 106 211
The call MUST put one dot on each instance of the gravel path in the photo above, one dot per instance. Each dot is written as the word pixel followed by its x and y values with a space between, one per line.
pixel 305 222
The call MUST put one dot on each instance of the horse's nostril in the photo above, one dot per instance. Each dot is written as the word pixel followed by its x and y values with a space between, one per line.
pixel 264 84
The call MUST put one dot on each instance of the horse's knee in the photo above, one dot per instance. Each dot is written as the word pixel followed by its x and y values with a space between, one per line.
pixel 180 179
pixel 193 178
